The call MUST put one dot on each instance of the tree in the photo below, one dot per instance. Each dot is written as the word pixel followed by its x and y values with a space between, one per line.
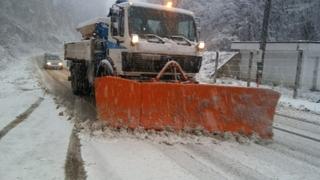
pixel 309 32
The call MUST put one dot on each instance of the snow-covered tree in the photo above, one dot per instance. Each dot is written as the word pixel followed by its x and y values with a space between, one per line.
pixel 224 21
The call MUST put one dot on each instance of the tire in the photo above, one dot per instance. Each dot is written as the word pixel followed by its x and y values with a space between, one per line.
pixel 79 81
pixel 105 69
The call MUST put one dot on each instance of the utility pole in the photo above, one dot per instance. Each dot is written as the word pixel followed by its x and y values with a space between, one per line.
pixel 263 41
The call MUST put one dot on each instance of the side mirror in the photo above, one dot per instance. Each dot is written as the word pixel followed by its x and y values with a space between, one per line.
pixel 114 11
pixel 117 22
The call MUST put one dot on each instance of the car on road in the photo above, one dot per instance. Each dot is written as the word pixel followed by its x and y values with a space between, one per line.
pixel 52 61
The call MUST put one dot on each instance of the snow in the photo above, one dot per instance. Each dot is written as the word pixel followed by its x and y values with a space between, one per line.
pixel 36 149
pixel 128 159
pixel 300 104
pixel 208 64
pixel 18 90
pixel 13 106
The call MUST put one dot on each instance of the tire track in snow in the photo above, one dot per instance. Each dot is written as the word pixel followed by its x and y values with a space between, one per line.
pixel 296 134
pixel 227 165
pixel 298 119
pixel 190 162
pixel 56 83
pixel 74 167
pixel 19 119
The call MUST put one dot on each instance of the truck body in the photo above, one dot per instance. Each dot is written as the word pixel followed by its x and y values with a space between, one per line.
pixel 140 63
pixel 163 34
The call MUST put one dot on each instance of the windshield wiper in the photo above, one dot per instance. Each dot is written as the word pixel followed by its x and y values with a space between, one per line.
pixel 181 37
pixel 148 36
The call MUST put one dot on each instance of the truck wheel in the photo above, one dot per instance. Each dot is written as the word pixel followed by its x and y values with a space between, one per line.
pixel 74 86
pixel 105 69
pixel 79 81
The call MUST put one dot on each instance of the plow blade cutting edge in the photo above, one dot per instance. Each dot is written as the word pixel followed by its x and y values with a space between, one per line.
pixel 157 105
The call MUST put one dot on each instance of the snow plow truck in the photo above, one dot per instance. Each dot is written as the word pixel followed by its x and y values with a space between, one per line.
pixel 140 63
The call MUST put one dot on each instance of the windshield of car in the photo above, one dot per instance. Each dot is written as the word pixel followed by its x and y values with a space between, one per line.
pixel 52 57
pixel 161 23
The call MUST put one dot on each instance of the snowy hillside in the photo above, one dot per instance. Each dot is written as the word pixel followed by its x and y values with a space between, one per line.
pixel 34 25
pixel 31 25
pixel 82 10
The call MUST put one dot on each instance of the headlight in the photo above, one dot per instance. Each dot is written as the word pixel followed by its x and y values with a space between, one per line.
pixel 60 64
pixel 169 4
pixel 134 39
pixel 201 45
pixel 49 63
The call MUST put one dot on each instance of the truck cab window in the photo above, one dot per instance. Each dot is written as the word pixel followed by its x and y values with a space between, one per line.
pixel 161 23
pixel 117 23
pixel 186 29
pixel 154 27
pixel 114 28
pixel 121 23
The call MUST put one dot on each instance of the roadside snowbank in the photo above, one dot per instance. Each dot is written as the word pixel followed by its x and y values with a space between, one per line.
pixel 208 64
pixel 300 104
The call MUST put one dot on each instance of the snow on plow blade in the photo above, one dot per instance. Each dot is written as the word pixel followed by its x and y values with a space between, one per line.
pixel 157 105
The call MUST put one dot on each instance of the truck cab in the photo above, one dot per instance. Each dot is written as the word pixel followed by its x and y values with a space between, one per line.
pixel 144 37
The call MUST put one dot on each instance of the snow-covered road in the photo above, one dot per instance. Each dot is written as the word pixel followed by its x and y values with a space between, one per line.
pixel 288 157
pixel 36 147
pixel 39 147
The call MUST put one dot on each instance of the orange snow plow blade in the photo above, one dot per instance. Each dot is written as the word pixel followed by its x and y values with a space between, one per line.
pixel 157 105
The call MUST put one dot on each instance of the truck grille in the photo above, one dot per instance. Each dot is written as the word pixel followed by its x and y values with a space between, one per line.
pixel 138 62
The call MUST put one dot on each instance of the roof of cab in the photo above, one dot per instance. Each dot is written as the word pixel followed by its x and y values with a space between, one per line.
pixel 156 6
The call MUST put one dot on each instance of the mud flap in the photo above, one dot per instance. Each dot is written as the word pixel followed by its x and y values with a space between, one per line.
pixel 157 105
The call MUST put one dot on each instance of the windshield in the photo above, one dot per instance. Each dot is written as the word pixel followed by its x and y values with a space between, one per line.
pixel 52 57
pixel 161 23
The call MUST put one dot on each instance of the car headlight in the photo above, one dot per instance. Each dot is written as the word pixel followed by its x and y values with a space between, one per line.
pixel 201 45
pixel 60 64
pixel 49 63
pixel 134 39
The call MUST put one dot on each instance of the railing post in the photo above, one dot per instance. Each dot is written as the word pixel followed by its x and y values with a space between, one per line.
pixel 298 74
pixel 249 70
pixel 215 75
pixel 315 74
